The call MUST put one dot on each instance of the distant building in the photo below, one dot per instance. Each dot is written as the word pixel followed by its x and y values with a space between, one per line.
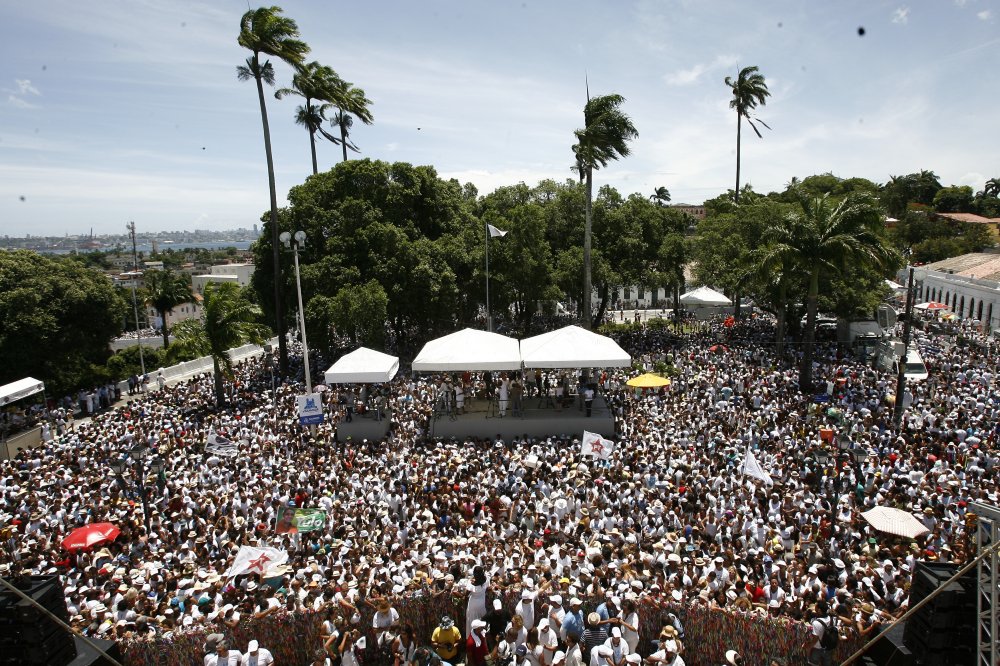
pixel 697 211
pixel 992 223
pixel 177 315
pixel 238 273
pixel 128 279
pixel 968 284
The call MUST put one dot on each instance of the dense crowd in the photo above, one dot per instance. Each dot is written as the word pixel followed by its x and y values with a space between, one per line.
pixel 670 516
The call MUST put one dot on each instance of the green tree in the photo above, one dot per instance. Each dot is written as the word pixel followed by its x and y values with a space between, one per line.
pixel 228 320
pixel 660 196
pixel 360 312
pixel 749 89
pixel 165 290
pixel 265 32
pixel 352 103
pixel 954 199
pixel 604 137
pixel 824 238
pixel 57 319
pixel 319 87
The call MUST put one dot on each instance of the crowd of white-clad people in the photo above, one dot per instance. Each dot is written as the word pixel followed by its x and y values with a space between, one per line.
pixel 669 516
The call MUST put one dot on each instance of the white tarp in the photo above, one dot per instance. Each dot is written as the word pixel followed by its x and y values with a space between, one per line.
pixel 704 296
pixel 22 388
pixel 363 366
pixel 573 347
pixel 469 349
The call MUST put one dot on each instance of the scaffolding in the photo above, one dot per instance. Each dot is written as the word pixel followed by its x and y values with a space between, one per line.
pixel 988 583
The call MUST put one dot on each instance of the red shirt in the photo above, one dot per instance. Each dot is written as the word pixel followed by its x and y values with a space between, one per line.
pixel 475 656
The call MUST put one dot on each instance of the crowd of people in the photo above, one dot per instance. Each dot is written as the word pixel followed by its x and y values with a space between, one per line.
pixel 556 555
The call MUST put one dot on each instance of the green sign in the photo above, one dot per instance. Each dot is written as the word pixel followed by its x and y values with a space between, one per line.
pixel 300 520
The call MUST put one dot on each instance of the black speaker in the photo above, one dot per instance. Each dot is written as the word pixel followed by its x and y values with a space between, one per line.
pixel 27 636
pixel 890 650
pixel 943 632
pixel 88 656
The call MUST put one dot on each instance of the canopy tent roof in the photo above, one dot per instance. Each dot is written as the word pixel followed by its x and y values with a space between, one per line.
pixel 573 347
pixel 469 349
pixel 363 366
pixel 704 296
pixel 893 285
pixel 895 521
pixel 22 388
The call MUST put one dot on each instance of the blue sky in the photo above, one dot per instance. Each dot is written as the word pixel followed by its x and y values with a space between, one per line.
pixel 130 110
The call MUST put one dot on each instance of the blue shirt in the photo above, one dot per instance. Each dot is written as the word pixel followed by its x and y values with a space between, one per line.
pixel 573 622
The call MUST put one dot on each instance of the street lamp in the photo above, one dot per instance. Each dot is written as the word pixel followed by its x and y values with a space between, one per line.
pixel 919 274
pixel 138 454
pixel 295 242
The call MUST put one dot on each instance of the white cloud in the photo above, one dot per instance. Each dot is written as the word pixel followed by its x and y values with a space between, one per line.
pixel 901 15
pixel 24 87
pixel 684 77
pixel 985 15
pixel 961 3
pixel 19 103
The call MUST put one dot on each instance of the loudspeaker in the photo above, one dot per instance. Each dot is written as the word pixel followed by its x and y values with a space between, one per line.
pixel 889 650
pixel 88 656
pixel 27 636
pixel 944 630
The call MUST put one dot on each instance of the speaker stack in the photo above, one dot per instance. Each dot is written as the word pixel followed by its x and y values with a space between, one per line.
pixel 28 637
pixel 943 632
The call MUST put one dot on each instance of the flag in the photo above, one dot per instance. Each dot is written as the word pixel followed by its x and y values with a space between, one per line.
pixel 220 445
pixel 593 444
pixel 496 233
pixel 250 559
pixel 752 468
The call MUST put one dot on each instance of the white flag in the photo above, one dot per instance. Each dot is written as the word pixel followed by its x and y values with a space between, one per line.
pixel 593 444
pixel 496 233
pixel 250 559
pixel 752 468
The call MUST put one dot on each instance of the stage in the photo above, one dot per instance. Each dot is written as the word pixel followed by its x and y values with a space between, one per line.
pixel 363 427
pixel 539 419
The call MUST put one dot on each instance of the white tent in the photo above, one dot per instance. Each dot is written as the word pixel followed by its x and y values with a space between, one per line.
pixel 363 366
pixel 573 347
pixel 705 296
pixel 22 388
pixel 469 349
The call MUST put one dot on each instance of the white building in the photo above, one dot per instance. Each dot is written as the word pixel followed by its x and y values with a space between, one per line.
pixel 968 284
pixel 238 273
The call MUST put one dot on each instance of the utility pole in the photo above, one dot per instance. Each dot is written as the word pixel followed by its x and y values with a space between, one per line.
pixel 135 303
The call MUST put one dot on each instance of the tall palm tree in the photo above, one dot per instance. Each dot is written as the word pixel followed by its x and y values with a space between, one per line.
pixel 165 290
pixel 991 188
pixel 352 103
pixel 660 196
pixel 228 320
pixel 604 137
pixel 319 86
pixel 826 237
pixel 749 90
pixel 264 31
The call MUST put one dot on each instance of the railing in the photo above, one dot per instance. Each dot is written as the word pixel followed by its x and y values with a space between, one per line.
pixel 199 365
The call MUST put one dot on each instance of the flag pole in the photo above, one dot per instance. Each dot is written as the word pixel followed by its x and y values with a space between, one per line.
pixel 489 316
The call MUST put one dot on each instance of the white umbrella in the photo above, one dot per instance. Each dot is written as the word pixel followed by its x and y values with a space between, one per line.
pixel 895 521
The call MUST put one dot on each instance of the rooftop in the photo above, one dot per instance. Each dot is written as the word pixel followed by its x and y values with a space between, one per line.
pixel 969 217
pixel 982 265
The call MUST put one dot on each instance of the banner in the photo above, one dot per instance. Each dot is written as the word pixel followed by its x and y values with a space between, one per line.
pixel 752 468
pixel 220 445
pixel 293 520
pixel 310 409
pixel 593 444
pixel 250 559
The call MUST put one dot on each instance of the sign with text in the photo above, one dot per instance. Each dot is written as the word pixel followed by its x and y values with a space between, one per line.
pixel 310 408
pixel 292 520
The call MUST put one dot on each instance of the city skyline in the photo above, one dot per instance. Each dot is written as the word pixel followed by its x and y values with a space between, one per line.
pixel 125 111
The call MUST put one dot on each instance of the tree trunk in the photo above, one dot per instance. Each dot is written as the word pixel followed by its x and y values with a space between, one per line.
pixel 737 306
pixel 343 141
pixel 677 307
pixel 220 396
pixel 587 289
pixel 163 329
pixel 312 148
pixel 605 297
pixel 739 128
pixel 805 372
pixel 780 333
pixel 279 305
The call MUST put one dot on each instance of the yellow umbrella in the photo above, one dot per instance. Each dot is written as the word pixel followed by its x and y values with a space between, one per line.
pixel 648 380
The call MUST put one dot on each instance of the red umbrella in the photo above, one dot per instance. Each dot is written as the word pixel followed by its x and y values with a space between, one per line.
pixel 89 536
pixel 718 349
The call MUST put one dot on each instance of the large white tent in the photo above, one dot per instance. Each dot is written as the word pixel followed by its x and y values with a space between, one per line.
pixel 573 347
pixel 22 388
pixel 705 296
pixel 469 349
pixel 363 366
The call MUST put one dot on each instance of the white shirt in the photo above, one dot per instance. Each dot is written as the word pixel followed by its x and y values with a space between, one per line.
pixel 262 658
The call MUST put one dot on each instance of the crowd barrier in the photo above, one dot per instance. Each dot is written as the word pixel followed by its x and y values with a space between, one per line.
pixel 294 637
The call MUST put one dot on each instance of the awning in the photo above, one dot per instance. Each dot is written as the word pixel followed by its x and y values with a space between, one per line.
pixel 705 296
pixel 469 349
pixel 573 347
pixel 363 366
pixel 22 388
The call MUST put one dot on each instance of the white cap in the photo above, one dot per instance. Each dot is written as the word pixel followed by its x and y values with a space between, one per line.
pixel 558 657
pixel 556 599
pixel 253 646
pixel 497 604
pixel 616 632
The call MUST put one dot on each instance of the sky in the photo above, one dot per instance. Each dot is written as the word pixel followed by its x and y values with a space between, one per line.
pixel 118 110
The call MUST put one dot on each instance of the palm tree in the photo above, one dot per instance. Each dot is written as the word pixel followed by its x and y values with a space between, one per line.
pixel 822 238
pixel 264 31
pixel 660 196
pixel 228 320
pixel 351 102
pixel 319 86
pixel 749 90
pixel 991 188
pixel 166 290
pixel 604 137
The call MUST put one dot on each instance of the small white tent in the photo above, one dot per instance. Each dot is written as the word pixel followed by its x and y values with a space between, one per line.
pixel 705 296
pixel 469 349
pixel 363 366
pixel 573 347
pixel 22 388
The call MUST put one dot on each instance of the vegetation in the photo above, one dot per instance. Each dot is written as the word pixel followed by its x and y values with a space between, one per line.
pixel 165 290
pixel 749 90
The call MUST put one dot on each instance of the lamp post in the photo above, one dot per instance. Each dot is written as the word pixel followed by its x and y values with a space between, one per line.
pixel 295 242
pixel 907 322
pixel 138 455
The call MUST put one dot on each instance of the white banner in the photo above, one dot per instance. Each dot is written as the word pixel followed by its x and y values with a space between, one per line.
pixel 250 559
pixel 593 444
pixel 752 468
pixel 221 445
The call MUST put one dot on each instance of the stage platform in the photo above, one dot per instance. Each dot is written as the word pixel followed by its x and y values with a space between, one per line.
pixel 538 420
pixel 363 427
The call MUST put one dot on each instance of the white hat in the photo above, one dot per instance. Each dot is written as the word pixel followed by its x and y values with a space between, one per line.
pixel 556 599
pixel 253 646
pixel 616 632
pixel 731 656
pixel 558 657
pixel 497 604
pixel 478 624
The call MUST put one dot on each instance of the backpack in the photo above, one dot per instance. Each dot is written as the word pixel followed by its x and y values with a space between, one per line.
pixel 831 635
